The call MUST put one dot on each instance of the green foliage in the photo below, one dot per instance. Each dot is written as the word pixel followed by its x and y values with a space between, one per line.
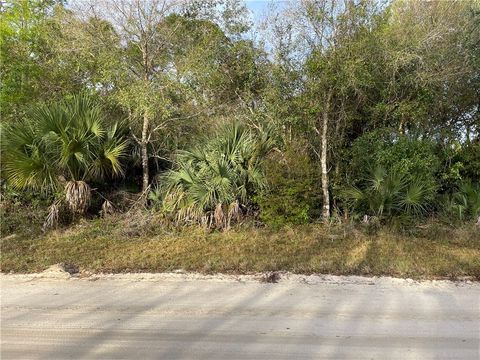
pixel 387 194
pixel 469 156
pixel 293 193
pixel 22 212
pixel 409 158
pixel 66 140
pixel 460 164
pixel 31 71
pixel 462 204
pixel 379 79
pixel 225 170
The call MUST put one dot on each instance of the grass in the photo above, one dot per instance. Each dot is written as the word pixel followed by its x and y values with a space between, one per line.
pixel 142 244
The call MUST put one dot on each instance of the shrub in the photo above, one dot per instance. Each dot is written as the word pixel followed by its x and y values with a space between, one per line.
pixel 470 158
pixel 462 204
pixel 387 194
pixel 460 164
pixel 212 182
pixel 412 159
pixel 63 145
pixel 293 193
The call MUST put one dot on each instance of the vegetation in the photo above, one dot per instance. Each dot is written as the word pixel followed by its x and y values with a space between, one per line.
pixel 212 183
pixel 291 197
pixel 134 243
pixel 388 194
pixel 330 114
pixel 62 144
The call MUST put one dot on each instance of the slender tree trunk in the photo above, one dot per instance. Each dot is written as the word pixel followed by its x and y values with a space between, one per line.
pixel 143 146
pixel 323 160
pixel 146 121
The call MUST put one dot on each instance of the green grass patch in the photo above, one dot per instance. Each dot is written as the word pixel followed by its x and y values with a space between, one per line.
pixel 142 244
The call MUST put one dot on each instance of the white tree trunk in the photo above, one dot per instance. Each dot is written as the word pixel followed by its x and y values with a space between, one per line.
pixel 323 161
pixel 144 150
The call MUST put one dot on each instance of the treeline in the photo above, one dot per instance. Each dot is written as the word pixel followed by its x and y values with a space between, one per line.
pixel 330 110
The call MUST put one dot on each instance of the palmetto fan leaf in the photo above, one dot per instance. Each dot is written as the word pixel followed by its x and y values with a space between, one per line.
pixel 388 194
pixel 30 169
pixel 464 203
pixel 224 171
pixel 27 158
pixel 413 200
pixel 66 139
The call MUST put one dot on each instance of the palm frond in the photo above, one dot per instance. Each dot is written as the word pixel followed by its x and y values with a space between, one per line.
pixel 223 171
pixel 66 138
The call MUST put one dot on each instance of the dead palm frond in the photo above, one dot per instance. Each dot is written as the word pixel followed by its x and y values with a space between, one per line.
pixel 234 213
pixel 219 217
pixel 52 216
pixel 77 196
pixel 107 208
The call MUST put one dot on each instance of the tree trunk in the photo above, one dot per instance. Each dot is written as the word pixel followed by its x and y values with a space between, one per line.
pixel 143 146
pixel 146 120
pixel 323 161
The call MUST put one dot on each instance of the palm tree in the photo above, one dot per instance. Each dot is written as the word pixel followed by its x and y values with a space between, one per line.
pixel 386 194
pixel 209 183
pixel 63 146
pixel 463 203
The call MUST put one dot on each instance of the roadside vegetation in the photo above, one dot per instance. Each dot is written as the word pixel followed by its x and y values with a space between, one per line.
pixel 338 137
pixel 135 243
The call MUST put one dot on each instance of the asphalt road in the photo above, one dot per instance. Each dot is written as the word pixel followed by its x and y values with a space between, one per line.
pixel 191 317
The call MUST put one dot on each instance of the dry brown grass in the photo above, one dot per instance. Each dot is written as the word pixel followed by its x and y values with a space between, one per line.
pixel 135 243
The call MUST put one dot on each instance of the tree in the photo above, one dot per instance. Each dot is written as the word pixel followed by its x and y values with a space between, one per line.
pixel 161 62
pixel 337 73
pixel 28 71
pixel 428 88
pixel 130 45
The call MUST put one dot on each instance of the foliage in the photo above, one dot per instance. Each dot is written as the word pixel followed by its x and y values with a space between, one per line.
pixel 63 144
pixel 367 85
pixel 66 140
pixel 460 163
pixel 23 212
pixel 31 73
pixel 225 171
pixel 462 204
pixel 410 158
pixel 388 193
pixel 292 196
pixel 469 157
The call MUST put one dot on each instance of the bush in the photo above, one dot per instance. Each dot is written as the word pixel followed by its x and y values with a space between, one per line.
pixel 212 183
pixel 470 158
pixel 61 148
pixel 293 193
pixel 460 164
pixel 412 159
pixel 21 212
pixel 389 194
pixel 462 204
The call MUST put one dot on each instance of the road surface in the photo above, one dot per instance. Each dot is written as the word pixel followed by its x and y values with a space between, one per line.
pixel 175 316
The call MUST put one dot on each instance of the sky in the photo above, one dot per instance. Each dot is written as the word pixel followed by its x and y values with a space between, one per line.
pixel 260 7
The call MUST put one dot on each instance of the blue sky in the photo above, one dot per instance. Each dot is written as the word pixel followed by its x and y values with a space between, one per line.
pixel 259 7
